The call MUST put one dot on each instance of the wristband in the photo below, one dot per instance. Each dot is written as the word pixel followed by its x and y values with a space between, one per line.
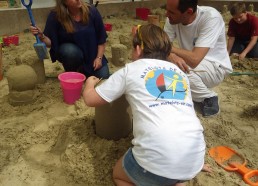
pixel 99 57
pixel 43 37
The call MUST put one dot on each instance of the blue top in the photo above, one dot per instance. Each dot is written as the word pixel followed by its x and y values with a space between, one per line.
pixel 86 37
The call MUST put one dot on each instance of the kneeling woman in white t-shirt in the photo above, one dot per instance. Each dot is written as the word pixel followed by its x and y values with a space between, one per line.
pixel 168 145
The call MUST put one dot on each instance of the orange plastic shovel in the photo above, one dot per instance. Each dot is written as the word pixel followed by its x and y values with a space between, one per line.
pixel 230 160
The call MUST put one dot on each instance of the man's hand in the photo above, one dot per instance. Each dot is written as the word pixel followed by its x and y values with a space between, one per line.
pixel 180 62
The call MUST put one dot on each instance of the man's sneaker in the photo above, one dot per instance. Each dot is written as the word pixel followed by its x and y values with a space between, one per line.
pixel 198 107
pixel 210 106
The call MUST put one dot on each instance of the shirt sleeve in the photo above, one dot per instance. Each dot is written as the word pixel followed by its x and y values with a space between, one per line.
pixel 209 32
pixel 231 30
pixel 254 26
pixel 168 28
pixel 114 87
pixel 99 26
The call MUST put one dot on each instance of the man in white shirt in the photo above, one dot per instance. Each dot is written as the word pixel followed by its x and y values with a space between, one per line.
pixel 202 52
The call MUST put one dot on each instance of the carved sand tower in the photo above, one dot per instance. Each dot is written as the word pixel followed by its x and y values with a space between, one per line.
pixel 225 9
pixel 154 19
pixel 113 121
pixel 22 80
pixel 251 8
pixel 119 54
pixel 30 58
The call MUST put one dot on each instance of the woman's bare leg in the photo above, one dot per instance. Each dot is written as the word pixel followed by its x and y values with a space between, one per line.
pixel 119 176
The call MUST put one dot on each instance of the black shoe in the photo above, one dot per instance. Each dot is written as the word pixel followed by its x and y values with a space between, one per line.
pixel 198 107
pixel 210 106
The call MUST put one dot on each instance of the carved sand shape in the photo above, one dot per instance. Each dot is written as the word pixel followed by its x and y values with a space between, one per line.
pixel 154 19
pixel 119 54
pixel 113 121
pixel 30 58
pixel 22 80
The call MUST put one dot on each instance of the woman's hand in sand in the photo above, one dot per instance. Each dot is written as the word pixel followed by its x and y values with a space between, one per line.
pixel 207 168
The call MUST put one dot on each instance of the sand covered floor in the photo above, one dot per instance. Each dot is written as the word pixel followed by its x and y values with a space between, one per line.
pixel 49 142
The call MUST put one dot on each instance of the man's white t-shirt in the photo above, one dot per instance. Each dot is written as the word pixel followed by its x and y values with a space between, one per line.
pixel 207 30
pixel 168 136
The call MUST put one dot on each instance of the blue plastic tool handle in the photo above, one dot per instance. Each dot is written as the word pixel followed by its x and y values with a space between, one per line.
pixel 28 7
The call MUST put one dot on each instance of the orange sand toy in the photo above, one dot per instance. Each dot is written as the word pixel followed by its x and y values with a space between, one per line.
pixel 230 160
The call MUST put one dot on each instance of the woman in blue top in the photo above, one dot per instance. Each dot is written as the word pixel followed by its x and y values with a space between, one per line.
pixel 76 36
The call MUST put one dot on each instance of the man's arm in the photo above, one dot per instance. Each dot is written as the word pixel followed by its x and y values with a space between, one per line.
pixel 192 58
pixel 90 96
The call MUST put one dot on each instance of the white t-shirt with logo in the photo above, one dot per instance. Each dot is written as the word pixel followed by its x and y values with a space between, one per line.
pixel 207 30
pixel 168 136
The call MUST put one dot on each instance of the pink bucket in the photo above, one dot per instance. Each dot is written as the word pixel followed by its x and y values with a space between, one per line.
pixel 71 84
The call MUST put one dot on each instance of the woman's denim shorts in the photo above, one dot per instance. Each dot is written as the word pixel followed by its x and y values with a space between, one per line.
pixel 141 177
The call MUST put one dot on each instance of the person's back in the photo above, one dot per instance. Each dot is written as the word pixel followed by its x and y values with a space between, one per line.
pixel 163 115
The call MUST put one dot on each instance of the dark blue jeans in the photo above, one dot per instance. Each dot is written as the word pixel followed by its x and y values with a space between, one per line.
pixel 240 45
pixel 71 57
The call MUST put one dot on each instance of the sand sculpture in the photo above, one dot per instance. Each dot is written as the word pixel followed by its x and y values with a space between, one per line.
pixel 113 121
pixel 225 9
pixel 154 19
pixel 119 54
pixel 126 40
pixel 30 58
pixel 22 80
pixel 251 8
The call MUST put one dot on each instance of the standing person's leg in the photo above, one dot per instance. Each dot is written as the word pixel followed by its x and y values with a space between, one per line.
pixel 70 56
pixel 201 84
